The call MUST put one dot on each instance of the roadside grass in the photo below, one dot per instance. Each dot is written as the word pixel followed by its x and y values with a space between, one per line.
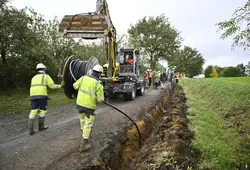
pixel 19 102
pixel 245 80
pixel 219 113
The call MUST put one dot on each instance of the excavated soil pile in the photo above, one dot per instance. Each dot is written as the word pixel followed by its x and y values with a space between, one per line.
pixel 169 145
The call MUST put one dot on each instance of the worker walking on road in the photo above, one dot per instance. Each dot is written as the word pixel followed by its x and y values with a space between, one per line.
pixel 156 78
pixel 90 92
pixel 145 77
pixel 150 74
pixel 177 77
pixel 39 97
pixel 163 79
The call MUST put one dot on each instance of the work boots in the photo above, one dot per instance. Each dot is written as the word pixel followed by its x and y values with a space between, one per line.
pixel 31 126
pixel 85 145
pixel 41 124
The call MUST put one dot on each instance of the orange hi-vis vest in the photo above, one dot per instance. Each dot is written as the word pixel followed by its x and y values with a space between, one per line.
pixel 150 74
pixel 130 61
pixel 177 75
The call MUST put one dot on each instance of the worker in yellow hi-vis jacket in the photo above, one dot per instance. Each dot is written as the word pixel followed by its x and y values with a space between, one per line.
pixel 39 97
pixel 90 92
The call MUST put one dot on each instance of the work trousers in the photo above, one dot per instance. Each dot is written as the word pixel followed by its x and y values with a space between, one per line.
pixel 86 123
pixel 150 81
pixel 36 105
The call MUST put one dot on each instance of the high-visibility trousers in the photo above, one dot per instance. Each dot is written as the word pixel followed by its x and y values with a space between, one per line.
pixel 36 105
pixel 86 124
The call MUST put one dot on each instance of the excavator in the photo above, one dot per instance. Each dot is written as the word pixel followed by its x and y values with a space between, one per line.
pixel 119 77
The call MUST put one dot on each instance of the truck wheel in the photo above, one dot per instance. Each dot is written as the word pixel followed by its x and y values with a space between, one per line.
pixel 141 91
pixel 131 95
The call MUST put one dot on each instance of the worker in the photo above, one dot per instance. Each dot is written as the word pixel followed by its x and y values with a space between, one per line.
pixel 177 77
pixel 156 78
pixel 129 59
pixel 150 74
pixel 145 77
pixel 39 97
pixel 163 79
pixel 90 92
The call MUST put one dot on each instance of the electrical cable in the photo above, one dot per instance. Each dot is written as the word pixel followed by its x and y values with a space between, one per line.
pixel 138 130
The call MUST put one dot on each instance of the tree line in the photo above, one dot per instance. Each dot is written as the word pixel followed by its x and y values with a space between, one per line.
pixel 26 39
pixel 231 71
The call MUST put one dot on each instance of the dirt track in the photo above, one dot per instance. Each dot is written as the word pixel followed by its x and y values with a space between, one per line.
pixel 57 148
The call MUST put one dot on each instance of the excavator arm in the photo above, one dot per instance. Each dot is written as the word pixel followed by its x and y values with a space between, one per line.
pixel 94 25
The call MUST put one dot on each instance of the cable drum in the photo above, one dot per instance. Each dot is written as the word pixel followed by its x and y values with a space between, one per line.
pixel 75 69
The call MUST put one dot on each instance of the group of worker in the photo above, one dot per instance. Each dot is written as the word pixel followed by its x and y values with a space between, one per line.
pixel 90 92
pixel 156 78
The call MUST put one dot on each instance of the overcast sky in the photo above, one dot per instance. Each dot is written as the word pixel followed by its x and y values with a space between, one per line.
pixel 196 20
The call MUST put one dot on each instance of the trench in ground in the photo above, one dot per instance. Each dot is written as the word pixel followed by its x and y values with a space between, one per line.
pixel 166 139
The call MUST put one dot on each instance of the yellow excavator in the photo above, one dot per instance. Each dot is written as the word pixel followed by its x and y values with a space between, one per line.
pixel 91 26
pixel 96 25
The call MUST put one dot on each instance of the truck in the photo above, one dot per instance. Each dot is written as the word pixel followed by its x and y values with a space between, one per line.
pixel 120 77
pixel 129 84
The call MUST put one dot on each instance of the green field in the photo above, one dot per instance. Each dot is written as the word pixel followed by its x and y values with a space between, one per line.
pixel 219 112
pixel 19 102
pixel 245 80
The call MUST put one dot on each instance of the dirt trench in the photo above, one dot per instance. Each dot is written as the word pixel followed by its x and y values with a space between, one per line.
pixel 166 139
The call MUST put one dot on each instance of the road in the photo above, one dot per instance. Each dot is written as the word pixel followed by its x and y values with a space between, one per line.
pixel 57 147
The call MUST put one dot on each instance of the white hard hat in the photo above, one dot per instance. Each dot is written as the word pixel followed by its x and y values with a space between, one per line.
pixel 40 66
pixel 98 68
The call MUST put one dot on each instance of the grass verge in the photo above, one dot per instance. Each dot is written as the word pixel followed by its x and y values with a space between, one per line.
pixel 220 116
pixel 19 102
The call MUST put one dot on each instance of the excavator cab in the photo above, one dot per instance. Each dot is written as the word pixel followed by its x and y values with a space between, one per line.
pixel 129 61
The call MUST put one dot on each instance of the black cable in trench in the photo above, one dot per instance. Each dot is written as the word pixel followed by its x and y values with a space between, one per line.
pixel 139 133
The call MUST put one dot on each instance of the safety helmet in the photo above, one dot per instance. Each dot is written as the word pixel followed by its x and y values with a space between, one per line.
pixel 159 71
pixel 40 66
pixel 98 68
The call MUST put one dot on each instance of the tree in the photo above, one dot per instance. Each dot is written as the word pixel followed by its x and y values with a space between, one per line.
pixel 188 60
pixel 214 73
pixel 238 27
pixel 231 72
pixel 241 68
pixel 122 40
pixel 248 68
pixel 208 71
pixel 219 70
pixel 155 34
pixel 25 40
pixel 3 3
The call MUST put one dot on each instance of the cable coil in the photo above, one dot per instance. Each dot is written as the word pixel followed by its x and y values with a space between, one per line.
pixel 75 69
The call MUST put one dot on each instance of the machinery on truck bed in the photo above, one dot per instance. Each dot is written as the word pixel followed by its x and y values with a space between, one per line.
pixel 119 76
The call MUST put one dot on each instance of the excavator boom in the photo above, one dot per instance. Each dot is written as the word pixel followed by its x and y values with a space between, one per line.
pixel 94 25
